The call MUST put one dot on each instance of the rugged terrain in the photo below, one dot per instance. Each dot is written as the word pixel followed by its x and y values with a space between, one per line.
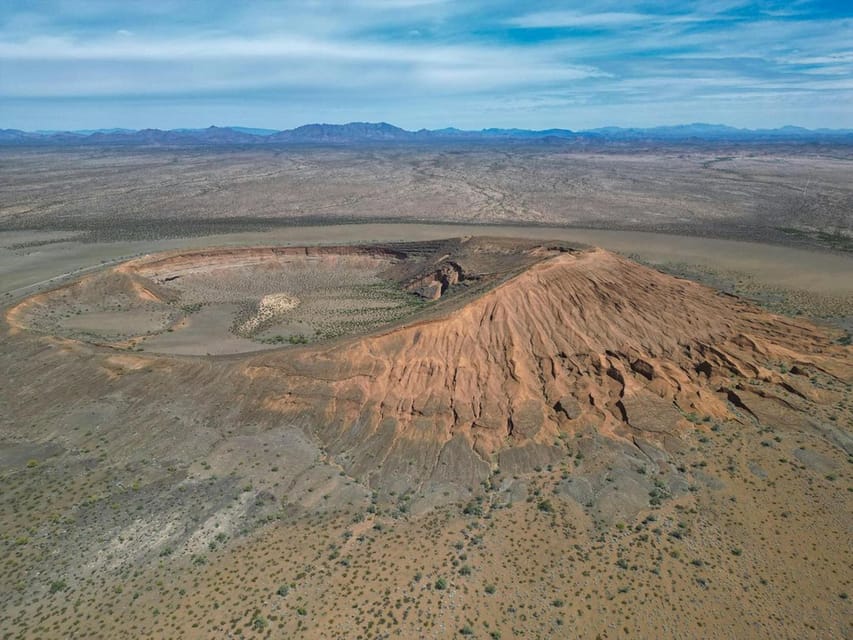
pixel 555 441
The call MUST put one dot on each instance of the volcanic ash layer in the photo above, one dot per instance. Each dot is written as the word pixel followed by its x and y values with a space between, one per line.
pixel 578 341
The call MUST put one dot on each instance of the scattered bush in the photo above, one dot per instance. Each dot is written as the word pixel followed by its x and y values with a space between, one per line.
pixel 57 585
pixel 546 506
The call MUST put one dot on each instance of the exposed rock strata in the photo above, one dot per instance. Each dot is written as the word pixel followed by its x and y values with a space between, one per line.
pixel 575 341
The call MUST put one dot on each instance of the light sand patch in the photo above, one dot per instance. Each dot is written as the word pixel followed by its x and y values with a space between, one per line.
pixel 270 308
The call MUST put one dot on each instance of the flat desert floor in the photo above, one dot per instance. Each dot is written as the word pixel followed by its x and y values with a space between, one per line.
pixel 775 193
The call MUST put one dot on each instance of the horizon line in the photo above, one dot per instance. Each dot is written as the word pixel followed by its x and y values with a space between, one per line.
pixel 47 131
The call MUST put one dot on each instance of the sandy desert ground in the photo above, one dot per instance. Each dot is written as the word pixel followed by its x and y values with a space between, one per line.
pixel 766 193
pixel 509 434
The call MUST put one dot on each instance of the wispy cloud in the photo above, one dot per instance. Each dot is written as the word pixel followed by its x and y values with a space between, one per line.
pixel 427 62
pixel 211 63
pixel 554 19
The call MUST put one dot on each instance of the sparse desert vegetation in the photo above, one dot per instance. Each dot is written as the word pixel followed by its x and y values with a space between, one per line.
pixel 798 195
pixel 481 437
pixel 236 301
pixel 530 572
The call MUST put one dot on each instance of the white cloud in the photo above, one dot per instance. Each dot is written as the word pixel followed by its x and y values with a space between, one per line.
pixel 283 45
pixel 549 19
pixel 397 4
pixel 482 77
pixel 126 66
pixel 359 57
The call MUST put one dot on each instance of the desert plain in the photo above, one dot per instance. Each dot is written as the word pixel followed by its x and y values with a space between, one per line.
pixel 426 392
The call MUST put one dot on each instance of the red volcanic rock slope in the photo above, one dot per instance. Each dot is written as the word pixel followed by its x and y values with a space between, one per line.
pixel 578 340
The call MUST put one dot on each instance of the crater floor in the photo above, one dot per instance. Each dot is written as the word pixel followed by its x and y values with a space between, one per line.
pixel 228 301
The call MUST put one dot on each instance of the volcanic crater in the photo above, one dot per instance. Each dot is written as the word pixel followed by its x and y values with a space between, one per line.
pixel 430 368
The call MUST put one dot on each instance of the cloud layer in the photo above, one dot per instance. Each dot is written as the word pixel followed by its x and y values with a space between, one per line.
pixel 432 63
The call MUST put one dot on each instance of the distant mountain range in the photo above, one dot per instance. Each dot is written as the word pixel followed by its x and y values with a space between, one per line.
pixel 382 132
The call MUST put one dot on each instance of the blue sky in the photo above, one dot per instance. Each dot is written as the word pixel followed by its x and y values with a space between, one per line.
pixel 72 64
